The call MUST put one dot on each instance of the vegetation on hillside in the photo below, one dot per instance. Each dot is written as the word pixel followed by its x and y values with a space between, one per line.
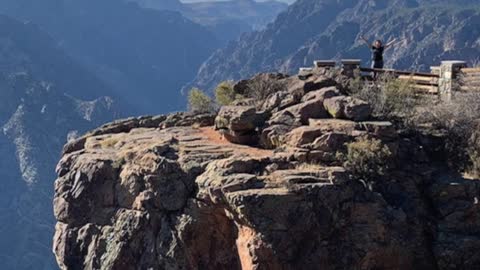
pixel 224 93
pixel 199 102
pixel 366 158
pixel 457 119
pixel 390 98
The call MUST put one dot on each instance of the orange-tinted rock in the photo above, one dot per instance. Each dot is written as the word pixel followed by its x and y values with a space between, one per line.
pixel 302 136
pixel 169 193
pixel 344 107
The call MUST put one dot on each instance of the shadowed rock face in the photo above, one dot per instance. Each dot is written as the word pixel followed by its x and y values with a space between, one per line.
pixel 45 99
pixel 145 58
pixel 170 192
pixel 30 143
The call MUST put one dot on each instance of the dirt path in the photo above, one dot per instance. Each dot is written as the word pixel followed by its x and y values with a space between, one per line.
pixel 216 138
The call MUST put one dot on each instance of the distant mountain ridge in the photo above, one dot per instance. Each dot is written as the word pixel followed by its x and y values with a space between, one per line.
pixel 142 54
pixel 41 55
pixel 161 5
pixel 328 29
pixel 226 19
pixel 256 14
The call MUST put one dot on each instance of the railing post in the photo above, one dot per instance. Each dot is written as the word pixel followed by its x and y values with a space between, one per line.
pixel 351 67
pixel 449 71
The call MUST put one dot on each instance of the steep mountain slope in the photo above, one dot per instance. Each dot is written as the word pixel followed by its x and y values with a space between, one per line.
pixel 145 55
pixel 175 5
pixel 226 19
pixel 256 14
pixel 229 19
pixel 42 94
pixel 28 49
pixel 308 30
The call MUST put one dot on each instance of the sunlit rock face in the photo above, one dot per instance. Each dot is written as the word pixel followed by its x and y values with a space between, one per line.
pixel 260 185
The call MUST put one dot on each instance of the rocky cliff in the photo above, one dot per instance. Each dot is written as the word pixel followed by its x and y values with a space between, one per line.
pixel 260 186
pixel 430 30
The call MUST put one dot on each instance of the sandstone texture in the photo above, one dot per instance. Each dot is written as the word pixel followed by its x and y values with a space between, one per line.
pixel 187 192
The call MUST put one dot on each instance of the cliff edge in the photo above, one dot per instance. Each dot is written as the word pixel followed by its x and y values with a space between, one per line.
pixel 261 187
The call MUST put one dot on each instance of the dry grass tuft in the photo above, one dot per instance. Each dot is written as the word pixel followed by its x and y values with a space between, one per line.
pixel 109 142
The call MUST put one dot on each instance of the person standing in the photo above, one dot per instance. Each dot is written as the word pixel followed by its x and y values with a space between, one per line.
pixel 377 49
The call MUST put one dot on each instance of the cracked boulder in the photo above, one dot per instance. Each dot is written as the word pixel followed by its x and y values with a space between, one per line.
pixel 309 109
pixel 238 124
pixel 345 107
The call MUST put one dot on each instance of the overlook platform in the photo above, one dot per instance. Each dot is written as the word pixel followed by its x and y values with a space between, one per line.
pixel 443 80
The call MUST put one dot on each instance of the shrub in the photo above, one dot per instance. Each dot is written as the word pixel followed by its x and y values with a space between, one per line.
pixel 356 85
pixel 224 93
pixel 457 116
pixel 459 119
pixel 399 98
pixel 389 97
pixel 366 158
pixel 473 152
pixel 199 102
pixel 262 86
pixel 474 168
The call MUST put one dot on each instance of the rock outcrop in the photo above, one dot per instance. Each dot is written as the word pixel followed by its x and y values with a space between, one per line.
pixel 172 192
